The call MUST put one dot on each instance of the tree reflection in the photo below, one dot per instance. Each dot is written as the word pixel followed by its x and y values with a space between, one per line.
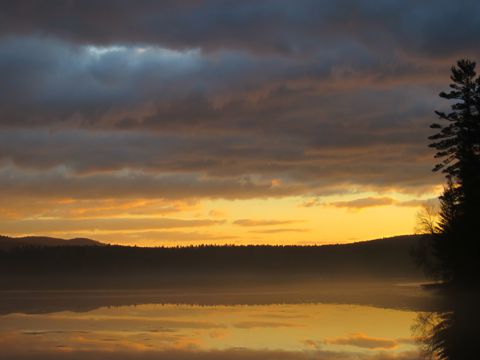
pixel 451 333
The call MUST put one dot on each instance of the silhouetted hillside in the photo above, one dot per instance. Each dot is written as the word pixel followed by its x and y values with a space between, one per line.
pixel 121 266
pixel 8 243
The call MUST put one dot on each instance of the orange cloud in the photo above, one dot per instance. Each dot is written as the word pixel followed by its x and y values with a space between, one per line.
pixel 262 324
pixel 364 202
pixel 254 222
pixel 363 341
pixel 280 230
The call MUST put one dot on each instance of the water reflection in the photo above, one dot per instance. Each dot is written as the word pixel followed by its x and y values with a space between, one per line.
pixel 377 294
pixel 292 330
pixel 452 333
pixel 285 328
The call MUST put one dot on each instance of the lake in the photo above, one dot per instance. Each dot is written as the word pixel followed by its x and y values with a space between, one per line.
pixel 335 321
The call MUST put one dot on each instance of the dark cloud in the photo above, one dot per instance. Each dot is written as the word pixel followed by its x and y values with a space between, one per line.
pixel 96 164
pixel 135 88
pixel 288 27
pixel 133 184
pixel 220 98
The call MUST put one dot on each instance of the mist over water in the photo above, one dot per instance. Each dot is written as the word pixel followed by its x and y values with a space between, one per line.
pixel 278 322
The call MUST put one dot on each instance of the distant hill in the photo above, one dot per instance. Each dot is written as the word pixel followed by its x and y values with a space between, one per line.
pixel 124 266
pixel 8 243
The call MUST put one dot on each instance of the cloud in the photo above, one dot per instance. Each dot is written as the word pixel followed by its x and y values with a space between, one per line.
pixel 33 226
pixel 279 230
pixel 230 114
pixel 15 208
pixel 417 202
pixel 364 202
pixel 367 202
pixel 110 165
pixel 184 101
pixel 253 222
pixel 262 324
pixel 311 203
pixel 133 87
pixel 363 341
pixel 59 183
pixel 286 27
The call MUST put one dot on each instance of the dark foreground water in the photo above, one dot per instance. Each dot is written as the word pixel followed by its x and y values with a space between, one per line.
pixel 339 322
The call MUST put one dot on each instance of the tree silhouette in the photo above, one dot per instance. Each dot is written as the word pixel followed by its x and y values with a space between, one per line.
pixel 452 333
pixel 458 148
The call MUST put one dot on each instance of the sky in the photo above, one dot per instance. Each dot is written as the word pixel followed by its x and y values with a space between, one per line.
pixel 166 123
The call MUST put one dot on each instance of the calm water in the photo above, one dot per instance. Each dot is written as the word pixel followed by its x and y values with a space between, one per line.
pixel 81 325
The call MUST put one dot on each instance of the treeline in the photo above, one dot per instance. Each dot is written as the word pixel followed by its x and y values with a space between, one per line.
pixel 148 267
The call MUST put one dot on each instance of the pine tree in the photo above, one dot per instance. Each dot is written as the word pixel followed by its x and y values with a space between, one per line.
pixel 458 148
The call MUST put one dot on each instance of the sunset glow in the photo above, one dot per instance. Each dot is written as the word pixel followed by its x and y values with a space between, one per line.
pixel 292 220
pixel 149 137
